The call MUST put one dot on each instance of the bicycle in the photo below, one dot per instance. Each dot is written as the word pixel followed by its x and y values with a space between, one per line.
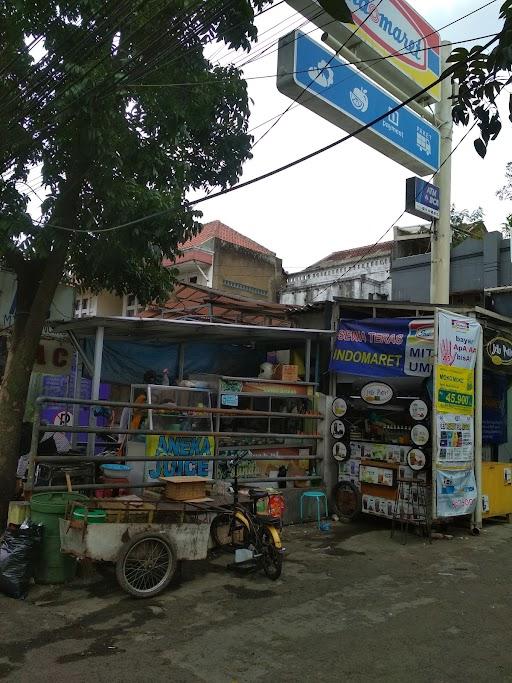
pixel 242 527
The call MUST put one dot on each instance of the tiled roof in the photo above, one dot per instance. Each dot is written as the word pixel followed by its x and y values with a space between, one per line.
pixel 227 234
pixel 197 302
pixel 357 252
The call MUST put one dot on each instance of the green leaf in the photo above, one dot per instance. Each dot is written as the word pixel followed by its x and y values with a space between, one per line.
pixel 480 147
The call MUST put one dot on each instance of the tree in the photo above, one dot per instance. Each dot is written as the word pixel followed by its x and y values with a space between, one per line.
pixel 480 77
pixel 75 104
pixel 467 224
pixel 505 193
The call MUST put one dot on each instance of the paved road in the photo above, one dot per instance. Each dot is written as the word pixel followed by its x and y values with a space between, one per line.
pixel 352 605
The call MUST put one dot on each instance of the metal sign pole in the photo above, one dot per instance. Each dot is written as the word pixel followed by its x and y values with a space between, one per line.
pixel 441 239
pixel 478 430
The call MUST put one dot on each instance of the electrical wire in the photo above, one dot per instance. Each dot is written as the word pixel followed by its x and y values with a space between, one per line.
pixel 279 169
pixel 154 34
pixel 205 19
pixel 376 60
pixel 303 71
pixel 478 9
pixel 319 72
pixel 447 74
pixel 375 244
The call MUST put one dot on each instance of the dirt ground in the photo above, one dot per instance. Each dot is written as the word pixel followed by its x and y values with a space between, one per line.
pixel 352 605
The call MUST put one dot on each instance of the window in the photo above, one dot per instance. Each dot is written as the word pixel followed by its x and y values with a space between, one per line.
pixel 131 306
pixel 85 306
pixel 193 279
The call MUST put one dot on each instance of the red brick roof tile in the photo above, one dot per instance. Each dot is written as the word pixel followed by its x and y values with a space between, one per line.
pixel 226 234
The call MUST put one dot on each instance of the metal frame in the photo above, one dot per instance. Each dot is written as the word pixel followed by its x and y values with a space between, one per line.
pixel 38 428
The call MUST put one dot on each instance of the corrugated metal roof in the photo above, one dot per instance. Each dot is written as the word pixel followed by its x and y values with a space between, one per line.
pixel 182 331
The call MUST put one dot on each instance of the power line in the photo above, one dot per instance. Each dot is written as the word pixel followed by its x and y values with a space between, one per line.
pixel 201 23
pixel 478 9
pixel 149 39
pixel 301 71
pixel 306 89
pixel 447 74
pixel 397 53
pixel 373 246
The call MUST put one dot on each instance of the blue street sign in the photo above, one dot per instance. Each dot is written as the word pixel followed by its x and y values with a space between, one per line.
pixel 422 199
pixel 343 96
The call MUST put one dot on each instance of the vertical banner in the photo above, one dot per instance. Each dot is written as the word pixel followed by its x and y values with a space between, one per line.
pixel 457 339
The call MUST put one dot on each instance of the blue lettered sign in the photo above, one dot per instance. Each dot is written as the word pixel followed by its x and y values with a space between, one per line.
pixel 339 93
pixel 382 347
pixel 180 447
pixel 422 199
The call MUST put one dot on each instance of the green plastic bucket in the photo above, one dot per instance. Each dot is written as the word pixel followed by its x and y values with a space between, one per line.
pixel 92 516
pixel 47 508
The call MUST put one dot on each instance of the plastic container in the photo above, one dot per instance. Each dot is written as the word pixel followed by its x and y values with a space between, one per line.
pixel 116 471
pixel 95 516
pixel 46 509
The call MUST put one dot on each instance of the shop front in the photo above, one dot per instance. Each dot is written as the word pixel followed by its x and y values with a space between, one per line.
pixel 217 392
pixel 403 421
pixel 497 416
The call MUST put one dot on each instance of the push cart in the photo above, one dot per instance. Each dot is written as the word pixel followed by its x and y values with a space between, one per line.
pixel 146 542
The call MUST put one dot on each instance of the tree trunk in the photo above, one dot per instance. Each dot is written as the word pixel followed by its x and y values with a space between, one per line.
pixel 36 289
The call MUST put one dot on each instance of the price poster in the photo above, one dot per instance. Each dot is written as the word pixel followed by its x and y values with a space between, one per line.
pixel 455 439
pixel 455 390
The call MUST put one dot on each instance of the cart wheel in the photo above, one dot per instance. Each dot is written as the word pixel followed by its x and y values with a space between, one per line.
pixel 146 565
pixel 347 499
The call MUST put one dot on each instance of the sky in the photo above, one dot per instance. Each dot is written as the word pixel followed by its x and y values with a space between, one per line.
pixel 350 195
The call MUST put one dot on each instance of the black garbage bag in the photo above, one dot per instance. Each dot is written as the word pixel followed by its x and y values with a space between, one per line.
pixel 19 551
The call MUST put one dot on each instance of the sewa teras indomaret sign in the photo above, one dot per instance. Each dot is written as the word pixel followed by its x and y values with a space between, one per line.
pixel 381 347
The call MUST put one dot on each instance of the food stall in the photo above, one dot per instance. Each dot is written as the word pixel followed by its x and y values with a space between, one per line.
pixel 404 427
pixel 217 402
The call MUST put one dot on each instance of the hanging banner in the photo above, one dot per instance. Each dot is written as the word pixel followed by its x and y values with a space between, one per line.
pixel 456 492
pixel 381 347
pixel 458 338
pixel 455 439
pixel 455 390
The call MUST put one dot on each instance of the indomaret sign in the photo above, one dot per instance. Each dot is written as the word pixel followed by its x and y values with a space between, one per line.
pixel 344 96
pixel 391 29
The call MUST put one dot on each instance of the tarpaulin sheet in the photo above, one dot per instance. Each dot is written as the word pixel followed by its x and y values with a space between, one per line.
pixel 126 362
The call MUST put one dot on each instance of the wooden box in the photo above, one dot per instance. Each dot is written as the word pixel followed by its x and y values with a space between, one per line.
pixel 287 373
pixel 185 488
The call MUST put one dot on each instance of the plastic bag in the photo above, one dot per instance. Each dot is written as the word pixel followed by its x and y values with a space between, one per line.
pixel 19 550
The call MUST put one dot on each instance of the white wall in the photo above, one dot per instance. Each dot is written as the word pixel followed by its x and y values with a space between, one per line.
pixel 352 279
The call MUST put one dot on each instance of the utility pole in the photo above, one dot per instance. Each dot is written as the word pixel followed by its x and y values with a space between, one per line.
pixel 442 237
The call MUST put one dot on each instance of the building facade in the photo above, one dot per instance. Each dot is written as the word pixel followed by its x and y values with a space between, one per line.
pixel 361 273
pixel 217 257
pixel 480 274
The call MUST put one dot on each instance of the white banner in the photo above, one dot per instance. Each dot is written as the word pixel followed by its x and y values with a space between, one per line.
pixel 455 440
pixel 457 340
pixel 456 492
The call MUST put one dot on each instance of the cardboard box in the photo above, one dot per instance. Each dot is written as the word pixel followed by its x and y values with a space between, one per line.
pixel 185 488
pixel 287 373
